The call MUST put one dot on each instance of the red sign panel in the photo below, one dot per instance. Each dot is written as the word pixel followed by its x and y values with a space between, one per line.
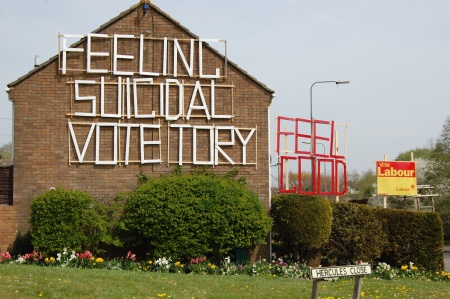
pixel 396 178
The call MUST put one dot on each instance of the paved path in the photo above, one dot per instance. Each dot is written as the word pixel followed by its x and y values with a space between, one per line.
pixel 447 258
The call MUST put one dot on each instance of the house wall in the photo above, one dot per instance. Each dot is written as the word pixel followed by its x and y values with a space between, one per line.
pixel 44 153
pixel 8 226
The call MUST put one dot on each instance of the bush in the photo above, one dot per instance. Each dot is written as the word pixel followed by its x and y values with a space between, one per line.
pixel 184 216
pixel 413 237
pixel 302 224
pixel 67 219
pixel 356 234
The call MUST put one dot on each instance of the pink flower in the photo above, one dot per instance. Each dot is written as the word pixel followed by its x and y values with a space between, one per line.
pixel 6 256
pixel 131 256
pixel 86 255
pixel 197 260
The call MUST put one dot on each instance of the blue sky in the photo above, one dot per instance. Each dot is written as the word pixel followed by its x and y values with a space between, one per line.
pixel 395 53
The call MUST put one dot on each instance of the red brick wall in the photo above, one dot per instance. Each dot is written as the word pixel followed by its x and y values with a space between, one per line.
pixel 8 227
pixel 43 107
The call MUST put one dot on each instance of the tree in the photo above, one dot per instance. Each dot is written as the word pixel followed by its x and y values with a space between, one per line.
pixel 418 153
pixel 438 174
pixel 438 169
pixel 5 152
pixel 364 184
pixel 306 181
pixel 421 157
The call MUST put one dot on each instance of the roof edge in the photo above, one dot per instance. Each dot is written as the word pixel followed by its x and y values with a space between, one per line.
pixel 120 16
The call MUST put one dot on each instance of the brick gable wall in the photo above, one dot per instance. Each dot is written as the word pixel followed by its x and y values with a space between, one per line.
pixel 43 106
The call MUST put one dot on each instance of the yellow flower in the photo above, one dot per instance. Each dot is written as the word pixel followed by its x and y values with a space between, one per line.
pixel 161 295
pixel 52 259
pixel 177 264
pixel 213 267
pixel 99 260
pixel 414 268
pixel 404 267
pixel 150 262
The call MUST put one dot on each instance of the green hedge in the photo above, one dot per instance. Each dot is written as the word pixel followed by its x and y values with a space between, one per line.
pixel 302 224
pixel 356 234
pixel 67 219
pixel 413 237
pixel 195 215
pixel 397 237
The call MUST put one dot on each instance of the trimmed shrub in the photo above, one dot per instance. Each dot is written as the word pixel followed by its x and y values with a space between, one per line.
pixel 194 215
pixel 356 234
pixel 413 237
pixel 302 224
pixel 67 219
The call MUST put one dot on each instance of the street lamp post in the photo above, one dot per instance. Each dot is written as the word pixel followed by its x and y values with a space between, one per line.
pixel 313 142
pixel 310 106
pixel 310 92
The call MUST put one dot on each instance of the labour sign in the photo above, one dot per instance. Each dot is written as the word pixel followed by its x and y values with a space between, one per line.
pixel 396 178
pixel 342 271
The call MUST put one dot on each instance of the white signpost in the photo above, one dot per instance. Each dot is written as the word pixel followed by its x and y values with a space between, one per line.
pixel 318 274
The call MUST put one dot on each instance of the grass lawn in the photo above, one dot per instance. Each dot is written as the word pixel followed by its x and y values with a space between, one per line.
pixel 26 281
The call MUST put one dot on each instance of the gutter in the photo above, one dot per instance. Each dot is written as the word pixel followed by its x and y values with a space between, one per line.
pixel 7 89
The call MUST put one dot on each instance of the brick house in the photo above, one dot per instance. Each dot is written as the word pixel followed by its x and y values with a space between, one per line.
pixel 139 94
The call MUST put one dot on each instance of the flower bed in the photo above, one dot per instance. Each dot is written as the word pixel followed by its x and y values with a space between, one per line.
pixel 200 265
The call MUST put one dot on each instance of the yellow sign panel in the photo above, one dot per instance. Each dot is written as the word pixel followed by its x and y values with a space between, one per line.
pixel 396 178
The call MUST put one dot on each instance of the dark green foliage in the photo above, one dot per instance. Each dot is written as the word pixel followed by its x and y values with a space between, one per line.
pixel 413 237
pixel 357 234
pixel 443 208
pixel 22 244
pixel 194 215
pixel 67 219
pixel 396 237
pixel 302 224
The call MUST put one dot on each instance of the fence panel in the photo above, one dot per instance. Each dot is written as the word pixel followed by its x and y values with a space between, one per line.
pixel 6 185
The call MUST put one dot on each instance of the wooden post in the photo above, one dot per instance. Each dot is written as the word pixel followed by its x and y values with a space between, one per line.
pixel 358 287
pixel 315 290
pixel 385 198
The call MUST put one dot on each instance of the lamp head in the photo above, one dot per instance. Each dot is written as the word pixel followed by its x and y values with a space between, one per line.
pixel 342 82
